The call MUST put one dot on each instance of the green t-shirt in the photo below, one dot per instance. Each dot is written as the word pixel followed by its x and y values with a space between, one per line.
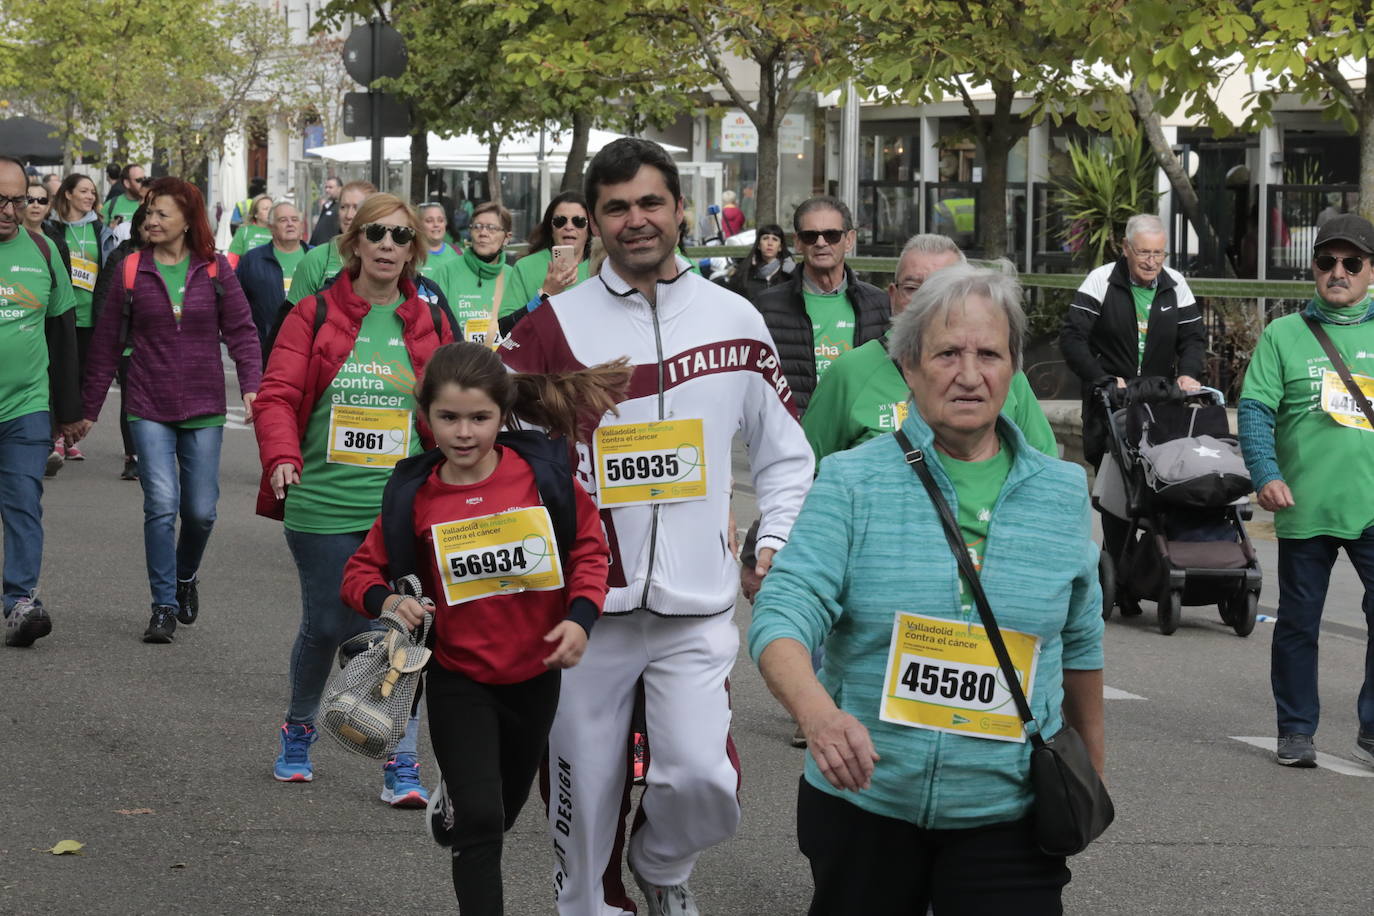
pixel 248 237
pixel 1326 465
pixel 469 284
pixel 201 422
pixel 528 277
pixel 437 259
pixel 863 395
pixel 1144 297
pixel 120 206
pixel 977 484
pixel 289 261
pixel 832 327
pixel 28 297
pixel 84 246
pixel 343 494
pixel 319 264
pixel 174 276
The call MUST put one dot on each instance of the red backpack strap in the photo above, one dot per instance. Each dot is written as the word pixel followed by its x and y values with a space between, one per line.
pixel 130 271
pixel 126 318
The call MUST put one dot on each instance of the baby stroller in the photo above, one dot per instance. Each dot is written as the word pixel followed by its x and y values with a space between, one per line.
pixel 1174 473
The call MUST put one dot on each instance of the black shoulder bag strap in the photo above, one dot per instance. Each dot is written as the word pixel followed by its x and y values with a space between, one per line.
pixel 916 458
pixel 1339 365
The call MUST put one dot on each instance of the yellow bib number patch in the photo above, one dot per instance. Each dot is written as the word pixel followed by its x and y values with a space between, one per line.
pixel 1338 402
pixel 478 330
pixel 83 273
pixel 943 675
pixel 499 554
pixel 374 437
pixel 646 463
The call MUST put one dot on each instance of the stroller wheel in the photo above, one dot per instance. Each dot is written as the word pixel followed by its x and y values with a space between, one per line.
pixel 1241 611
pixel 1170 610
pixel 1106 574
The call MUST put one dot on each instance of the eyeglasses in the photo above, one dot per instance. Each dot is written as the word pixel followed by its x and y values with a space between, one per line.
pixel 1150 257
pixel 811 236
pixel 401 235
pixel 487 227
pixel 15 202
pixel 579 222
pixel 1326 263
pixel 38 200
pixel 144 180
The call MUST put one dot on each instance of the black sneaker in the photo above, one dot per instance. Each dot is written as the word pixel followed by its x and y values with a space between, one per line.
pixel 188 602
pixel 161 625
pixel 1297 751
pixel 26 622
pixel 130 471
pixel 439 814
pixel 1364 748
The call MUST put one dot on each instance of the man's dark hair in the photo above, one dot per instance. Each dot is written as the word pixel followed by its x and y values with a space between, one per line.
pixel 124 172
pixel 622 159
pixel 113 171
pixel 823 203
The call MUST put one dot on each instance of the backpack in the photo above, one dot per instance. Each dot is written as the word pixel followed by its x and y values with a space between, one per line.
pixel 46 251
pixel 130 265
pixel 437 313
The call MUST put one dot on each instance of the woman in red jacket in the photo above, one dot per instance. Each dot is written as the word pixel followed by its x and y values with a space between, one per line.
pixel 510 547
pixel 335 414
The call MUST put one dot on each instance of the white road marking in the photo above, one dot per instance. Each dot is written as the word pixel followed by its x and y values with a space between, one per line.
pixel 1325 761
pixel 1113 693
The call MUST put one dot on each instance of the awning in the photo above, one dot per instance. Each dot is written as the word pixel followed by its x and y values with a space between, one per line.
pixel 468 151
pixel 28 140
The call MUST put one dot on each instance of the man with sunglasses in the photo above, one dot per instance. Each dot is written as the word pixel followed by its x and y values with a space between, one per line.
pixel 824 310
pixel 1310 451
pixel 132 178
pixel 37 330
pixel 1130 318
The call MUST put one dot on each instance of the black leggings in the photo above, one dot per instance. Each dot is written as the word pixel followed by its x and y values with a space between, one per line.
pixel 866 863
pixel 123 373
pixel 488 741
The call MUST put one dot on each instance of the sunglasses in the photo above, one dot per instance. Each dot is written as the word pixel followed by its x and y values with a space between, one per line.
pixel 401 235
pixel 144 181
pixel 811 236
pixel 1326 263
pixel 38 200
pixel 579 222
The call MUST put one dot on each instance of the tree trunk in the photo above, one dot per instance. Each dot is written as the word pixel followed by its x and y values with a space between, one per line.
pixel 577 153
pixel 767 190
pixel 1000 132
pixel 1365 118
pixel 1178 178
pixel 419 162
pixel 493 172
pixel 70 140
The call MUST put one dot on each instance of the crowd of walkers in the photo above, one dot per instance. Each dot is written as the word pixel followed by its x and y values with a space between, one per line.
pixel 547 447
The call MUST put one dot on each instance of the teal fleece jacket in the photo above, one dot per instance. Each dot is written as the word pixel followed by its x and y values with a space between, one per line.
pixel 868 544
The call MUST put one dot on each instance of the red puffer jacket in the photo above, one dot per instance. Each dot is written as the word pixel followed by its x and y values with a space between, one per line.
pixel 303 363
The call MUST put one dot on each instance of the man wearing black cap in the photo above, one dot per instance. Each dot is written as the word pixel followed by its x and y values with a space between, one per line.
pixel 1310 449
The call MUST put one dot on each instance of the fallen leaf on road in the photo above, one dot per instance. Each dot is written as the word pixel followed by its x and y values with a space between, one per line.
pixel 135 811
pixel 66 848
pixel 178 865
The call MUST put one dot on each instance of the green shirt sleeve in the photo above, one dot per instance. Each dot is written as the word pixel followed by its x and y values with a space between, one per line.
pixel 1024 410
pixel 239 244
pixel 309 275
pixel 519 291
pixel 827 418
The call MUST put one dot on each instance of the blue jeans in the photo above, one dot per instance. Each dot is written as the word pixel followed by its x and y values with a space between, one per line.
pixel 179 472
pixel 326 622
pixel 1304 574
pixel 25 443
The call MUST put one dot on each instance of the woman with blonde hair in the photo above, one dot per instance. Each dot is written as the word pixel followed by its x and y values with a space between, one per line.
pixel 336 413
pixel 256 230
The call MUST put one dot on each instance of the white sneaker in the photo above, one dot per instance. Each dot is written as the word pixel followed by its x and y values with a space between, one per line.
pixel 667 900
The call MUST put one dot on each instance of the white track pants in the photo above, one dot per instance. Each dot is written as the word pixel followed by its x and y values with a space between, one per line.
pixel 691 799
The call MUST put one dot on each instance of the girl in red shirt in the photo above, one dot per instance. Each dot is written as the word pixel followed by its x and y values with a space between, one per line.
pixel 510 547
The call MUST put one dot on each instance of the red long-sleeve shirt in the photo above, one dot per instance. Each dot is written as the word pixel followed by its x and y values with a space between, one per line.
pixel 497 639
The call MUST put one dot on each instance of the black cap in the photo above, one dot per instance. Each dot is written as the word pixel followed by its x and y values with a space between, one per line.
pixel 1347 227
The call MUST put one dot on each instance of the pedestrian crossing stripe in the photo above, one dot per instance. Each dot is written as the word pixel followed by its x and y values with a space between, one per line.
pixel 1324 761
pixel 1113 693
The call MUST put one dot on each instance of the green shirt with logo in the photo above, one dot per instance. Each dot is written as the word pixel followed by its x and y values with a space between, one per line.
pixel 121 206
pixel 832 327
pixel 977 484
pixel 528 277
pixel 335 496
pixel 248 237
pixel 319 265
pixel 469 284
pixel 83 243
pixel 1144 297
pixel 289 261
pixel 28 297
pixel 1329 467
pixel 863 395
pixel 174 277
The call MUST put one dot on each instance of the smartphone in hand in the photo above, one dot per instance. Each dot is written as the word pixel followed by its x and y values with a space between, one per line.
pixel 563 254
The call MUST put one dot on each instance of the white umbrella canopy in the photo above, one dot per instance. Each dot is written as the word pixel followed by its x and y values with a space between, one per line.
pixel 519 153
pixel 232 185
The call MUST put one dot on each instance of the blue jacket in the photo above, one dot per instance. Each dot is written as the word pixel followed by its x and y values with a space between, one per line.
pixel 867 545
pixel 260 276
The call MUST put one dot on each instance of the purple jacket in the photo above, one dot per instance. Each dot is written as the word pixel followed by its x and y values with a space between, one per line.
pixel 175 372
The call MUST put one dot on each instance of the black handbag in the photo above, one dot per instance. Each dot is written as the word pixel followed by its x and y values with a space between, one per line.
pixel 1071 807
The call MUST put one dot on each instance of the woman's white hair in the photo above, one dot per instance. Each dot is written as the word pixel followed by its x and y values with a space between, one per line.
pixel 951 287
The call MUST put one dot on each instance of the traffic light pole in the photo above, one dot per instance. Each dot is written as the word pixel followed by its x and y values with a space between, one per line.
pixel 376 106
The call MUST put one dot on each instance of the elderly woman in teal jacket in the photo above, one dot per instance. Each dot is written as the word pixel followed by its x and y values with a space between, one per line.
pixel 916 791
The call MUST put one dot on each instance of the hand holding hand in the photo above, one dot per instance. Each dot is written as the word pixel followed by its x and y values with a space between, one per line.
pixel 248 400
pixel 73 433
pixel 571 642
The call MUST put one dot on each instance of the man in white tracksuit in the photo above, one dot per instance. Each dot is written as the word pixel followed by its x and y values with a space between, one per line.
pixel 705 368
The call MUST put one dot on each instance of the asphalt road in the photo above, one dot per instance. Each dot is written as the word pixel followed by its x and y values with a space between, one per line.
pixel 158 758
